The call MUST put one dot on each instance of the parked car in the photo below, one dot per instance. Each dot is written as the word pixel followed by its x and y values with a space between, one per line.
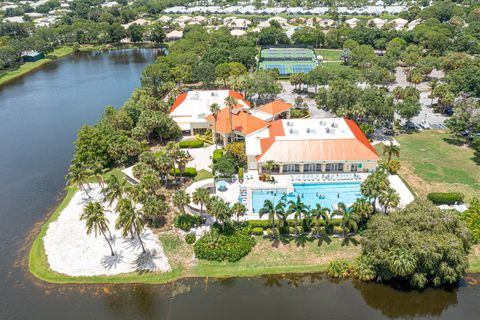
pixel 424 124
pixel 449 112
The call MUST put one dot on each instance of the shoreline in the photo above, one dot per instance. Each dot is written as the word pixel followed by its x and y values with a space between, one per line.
pixel 39 267
pixel 59 53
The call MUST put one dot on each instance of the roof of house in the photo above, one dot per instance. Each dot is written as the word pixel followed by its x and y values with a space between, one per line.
pixel 275 107
pixel 241 122
pixel 301 140
pixel 194 106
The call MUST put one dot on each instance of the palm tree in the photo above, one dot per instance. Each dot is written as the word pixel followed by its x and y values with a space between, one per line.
pixel 349 218
pixel 270 165
pixel 117 187
pixel 231 103
pixel 95 220
pixel 180 200
pixel 373 186
pixel 164 165
pixel 154 209
pixel 299 209
pixel 273 211
pixel 97 171
pixel 201 196
pixel 239 210
pixel 78 176
pixel 129 220
pixel 389 198
pixel 390 150
pixel 363 209
pixel 182 159
pixel 172 150
pixel 215 109
pixel 321 216
pixel 220 210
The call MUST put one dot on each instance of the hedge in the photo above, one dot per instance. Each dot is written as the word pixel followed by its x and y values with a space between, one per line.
pixel 222 247
pixel 217 154
pixel 191 144
pixel 190 238
pixel 187 222
pixel 266 224
pixel 257 231
pixel 449 198
pixel 189 172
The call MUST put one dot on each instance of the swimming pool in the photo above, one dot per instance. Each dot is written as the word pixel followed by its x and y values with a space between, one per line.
pixel 327 194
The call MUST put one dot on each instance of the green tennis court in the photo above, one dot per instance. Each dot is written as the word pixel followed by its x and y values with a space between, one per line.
pixel 288 60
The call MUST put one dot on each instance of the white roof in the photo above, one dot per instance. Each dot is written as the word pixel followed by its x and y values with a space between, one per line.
pixel 252 142
pixel 238 33
pixel 175 34
pixel 316 129
pixel 196 105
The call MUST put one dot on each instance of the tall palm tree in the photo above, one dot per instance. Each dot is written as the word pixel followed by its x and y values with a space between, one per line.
pixel 97 171
pixel 389 198
pixel 270 165
pixel 321 217
pixel 390 150
pixel 164 165
pixel 239 210
pixel 182 159
pixel 154 209
pixel 373 186
pixel 215 109
pixel 180 199
pixel 201 196
pixel 231 103
pixel 363 209
pixel 129 220
pixel 117 186
pixel 220 210
pixel 298 209
pixel 95 220
pixel 79 176
pixel 273 211
pixel 172 150
pixel 349 218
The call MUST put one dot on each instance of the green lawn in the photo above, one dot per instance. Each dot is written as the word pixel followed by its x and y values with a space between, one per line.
pixel 437 161
pixel 203 175
pixel 333 65
pixel 329 54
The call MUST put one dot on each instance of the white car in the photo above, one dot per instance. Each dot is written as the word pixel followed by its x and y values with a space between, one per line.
pixel 425 125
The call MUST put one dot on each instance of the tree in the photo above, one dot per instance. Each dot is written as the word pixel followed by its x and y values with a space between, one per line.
pixel 362 56
pixel 95 220
pixel 156 33
pixel 222 71
pixel 388 199
pixel 231 103
pixel 215 109
pixel 420 244
pixel 363 209
pixel 225 166
pixel 117 186
pixel 154 209
pixel 444 94
pixel 220 210
pixel 273 211
pixel 346 55
pixel 391 150
pixel 181 199
pixel 239 210
pixel 309 36
pixel 373 186
pixel 237 151
pixel 172 151
pixel 182 159
pixel 298 209
pixel 129 220
pixel 135 32
pixel 201 196
pixel 409 108
pixel 321 217
pixel 78 176
pixel 270 165
pixel 471 217
pixel 349 218
pixel 116 32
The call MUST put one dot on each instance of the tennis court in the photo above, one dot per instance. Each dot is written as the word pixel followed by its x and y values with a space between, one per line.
pixel 288 60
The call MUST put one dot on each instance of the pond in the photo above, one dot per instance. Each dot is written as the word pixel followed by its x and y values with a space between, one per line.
pixel 39 117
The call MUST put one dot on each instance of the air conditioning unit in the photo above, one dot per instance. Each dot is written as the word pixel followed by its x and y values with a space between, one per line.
pixel 196 97
pixel 289 124
pixel 214 94
pixel 334 125
pixel 322 123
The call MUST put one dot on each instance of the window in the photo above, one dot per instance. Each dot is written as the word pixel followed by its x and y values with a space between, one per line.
pixel 199 130
pixel 312 167
pixel 355 166
pixel 333 167
pixel 287 168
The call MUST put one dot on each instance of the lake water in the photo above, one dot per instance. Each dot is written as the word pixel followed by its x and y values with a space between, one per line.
pixel 39 117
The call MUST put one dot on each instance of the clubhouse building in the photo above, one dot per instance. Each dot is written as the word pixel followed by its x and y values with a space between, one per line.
pixel 294 145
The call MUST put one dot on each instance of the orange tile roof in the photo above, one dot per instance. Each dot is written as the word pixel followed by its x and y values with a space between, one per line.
pixel 275 107
pixel 178 101
pixel 241 122
pixel 358 148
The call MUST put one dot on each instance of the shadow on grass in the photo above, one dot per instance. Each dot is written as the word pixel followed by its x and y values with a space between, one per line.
pixel 349 240
pixel 302 239
pixel 454 140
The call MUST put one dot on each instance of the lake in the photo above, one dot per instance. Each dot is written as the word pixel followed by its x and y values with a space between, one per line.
pixel 39 117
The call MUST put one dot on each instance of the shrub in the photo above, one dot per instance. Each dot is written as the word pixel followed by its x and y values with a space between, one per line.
pixel 187 221
pixel 191 144
pixel 217 154
pixel 449 198
pixel 339 269
pixel 189 172
pixel 271 233
pixel 190 238
pixel 257 231
pixel 472 219
pixel 393 166
pixel 291 229
pixel 240 173
pixel 337 230
pixel 216 246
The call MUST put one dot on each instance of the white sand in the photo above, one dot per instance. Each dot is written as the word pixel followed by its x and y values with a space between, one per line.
pixel 71 251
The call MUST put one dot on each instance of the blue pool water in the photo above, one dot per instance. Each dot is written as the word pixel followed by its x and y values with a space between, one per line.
pixel 327 194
